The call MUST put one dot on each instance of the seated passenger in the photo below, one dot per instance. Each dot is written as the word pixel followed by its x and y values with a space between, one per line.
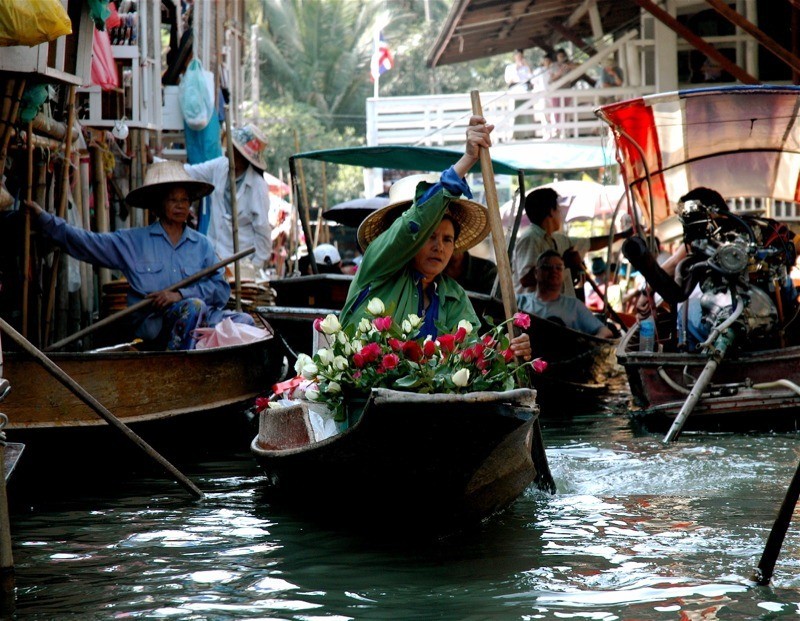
pixel 471 272
pixel 408 243
pixel 154 257
pixel 548 301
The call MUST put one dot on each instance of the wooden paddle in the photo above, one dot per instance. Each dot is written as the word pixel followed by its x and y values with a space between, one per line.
pixel 772 548
pixel 544 479
pixel 98 407
pixel 147 301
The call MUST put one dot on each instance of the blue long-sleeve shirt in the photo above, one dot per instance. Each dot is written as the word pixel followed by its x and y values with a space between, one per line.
pixel 147 258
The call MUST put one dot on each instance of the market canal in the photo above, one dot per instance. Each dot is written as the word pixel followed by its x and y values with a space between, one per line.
pixel 637 531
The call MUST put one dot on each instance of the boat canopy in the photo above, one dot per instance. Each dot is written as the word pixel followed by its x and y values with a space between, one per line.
pixel 507 159
pixel 742 141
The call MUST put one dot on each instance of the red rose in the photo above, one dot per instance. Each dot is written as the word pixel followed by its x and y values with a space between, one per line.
pixel 507 354
pixel 447 342
pixel 412 351
pixel 395 344
pixel 358 361
pixel 522 320
pixel 429 348
pixel 469 354
pixel 370 352
pixel 461 334
pixel 488 341
pixel 540 365
pixel 390 361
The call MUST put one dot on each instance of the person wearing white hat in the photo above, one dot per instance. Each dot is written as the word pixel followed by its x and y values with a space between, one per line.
pixel 252 196
pixel 154 257
pixel 408 243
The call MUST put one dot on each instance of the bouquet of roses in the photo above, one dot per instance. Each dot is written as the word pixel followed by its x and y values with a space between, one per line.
pixel 383 353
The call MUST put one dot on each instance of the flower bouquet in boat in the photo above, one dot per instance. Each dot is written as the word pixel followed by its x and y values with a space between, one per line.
pixel 381 353
pixel 430 432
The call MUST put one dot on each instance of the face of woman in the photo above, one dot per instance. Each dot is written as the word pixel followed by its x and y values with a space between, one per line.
pixel 176 206
pixel 432 258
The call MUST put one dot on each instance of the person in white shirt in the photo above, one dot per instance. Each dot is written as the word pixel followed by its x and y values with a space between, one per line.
pixel 252 197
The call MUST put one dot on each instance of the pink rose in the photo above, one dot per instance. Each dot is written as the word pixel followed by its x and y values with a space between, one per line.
pixel 540 365
pixel 522 320
pixel 318 324
pixel 382 324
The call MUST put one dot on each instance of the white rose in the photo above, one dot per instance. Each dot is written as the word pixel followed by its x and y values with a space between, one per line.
pixel 334 387
pixel 340 363
pixel 310 370
pixel 461 377
pixel 415 321
pixel 330 325
pixel 325 356
pixel 466 325
pixel 364 325
pixel 375 307
pixel 302 360
pixel 406 326
pixel 274 405
pixel 342 338
pixel 347 349
pixel 312 394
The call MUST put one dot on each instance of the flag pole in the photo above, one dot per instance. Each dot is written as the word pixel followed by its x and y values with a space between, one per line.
pixel 376 71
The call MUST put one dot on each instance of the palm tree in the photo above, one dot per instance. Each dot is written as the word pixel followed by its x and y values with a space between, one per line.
pixel 317 52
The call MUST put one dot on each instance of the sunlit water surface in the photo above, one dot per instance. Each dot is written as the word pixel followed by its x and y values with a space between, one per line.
pixel 637 530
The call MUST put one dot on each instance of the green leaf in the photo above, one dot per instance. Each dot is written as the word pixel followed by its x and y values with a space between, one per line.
pixel 408 381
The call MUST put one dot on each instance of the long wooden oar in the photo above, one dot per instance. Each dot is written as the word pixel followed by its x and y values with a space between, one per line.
pixel 237 272
pixel 147 301
pixel 98 407
pixel 775 540
pixel 544 479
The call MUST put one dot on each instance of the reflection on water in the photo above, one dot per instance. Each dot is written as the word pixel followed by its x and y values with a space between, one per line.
pixel 637 531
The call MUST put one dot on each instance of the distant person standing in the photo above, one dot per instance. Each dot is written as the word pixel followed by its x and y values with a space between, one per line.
pixel 611 76
pixel 252 198
pixel 518 73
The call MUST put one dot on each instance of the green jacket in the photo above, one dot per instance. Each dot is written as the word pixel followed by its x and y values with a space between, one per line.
pixel 386 271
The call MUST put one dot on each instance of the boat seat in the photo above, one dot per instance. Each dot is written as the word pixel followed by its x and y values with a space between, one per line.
pixel 285 427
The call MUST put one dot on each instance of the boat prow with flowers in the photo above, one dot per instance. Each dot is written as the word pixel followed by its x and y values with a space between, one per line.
pixel 432 432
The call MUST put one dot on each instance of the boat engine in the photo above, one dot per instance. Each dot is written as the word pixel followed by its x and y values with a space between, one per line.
pixel 737 268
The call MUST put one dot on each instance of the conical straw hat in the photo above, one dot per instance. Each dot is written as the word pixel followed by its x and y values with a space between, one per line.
pixel 159 178
pixel 251 143
pixel 472 217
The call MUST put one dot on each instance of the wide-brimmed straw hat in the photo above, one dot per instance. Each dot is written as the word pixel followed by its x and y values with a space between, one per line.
pixel 159 178
pixel 472 217
pixel 251 143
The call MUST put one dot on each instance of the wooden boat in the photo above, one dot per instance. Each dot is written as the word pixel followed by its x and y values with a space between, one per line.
pixel 137 386
pixel 742 142
pixel 11 454
pixel 578 366
pixel 428 462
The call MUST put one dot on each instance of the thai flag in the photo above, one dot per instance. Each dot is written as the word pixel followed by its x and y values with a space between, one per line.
pixel 382 59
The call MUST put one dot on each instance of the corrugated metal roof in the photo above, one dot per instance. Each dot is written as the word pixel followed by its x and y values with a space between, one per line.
pixel 480 28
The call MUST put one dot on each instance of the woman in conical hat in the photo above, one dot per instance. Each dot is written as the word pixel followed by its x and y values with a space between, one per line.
pixel 154 257
pixel 408 243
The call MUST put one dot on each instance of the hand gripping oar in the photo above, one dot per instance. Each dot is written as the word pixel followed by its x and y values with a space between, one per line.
pixel 544 479
pixel 772 548
pixel 147 301
pixel 93 403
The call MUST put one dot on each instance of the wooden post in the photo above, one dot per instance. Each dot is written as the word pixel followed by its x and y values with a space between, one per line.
pixel 100 203
pixel 26 240
pixel 237 274
pixel 6 556
pixel 62 210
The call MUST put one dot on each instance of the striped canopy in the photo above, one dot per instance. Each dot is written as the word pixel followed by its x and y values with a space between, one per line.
pixel 742 141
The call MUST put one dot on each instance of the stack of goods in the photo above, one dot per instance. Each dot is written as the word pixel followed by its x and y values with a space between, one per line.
pixel 254 294
pixel 114 298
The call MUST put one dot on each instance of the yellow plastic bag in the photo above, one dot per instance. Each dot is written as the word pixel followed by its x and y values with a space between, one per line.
pixel 31 22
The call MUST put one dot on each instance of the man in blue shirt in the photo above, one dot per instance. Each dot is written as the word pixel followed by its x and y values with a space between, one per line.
pixel 549 303
pixel 155 257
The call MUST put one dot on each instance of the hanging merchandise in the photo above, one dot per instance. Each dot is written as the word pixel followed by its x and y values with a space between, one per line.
pixel 196 95
pixel 23 22
pixel 104 68
pixel 32 99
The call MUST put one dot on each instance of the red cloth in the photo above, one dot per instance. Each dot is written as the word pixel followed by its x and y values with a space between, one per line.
pixel 104 69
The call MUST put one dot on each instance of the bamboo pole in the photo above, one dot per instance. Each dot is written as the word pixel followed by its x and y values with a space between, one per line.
pixel 8 122
pixel 237 273
pixel 544 479
pixel 100 203
pixel 62 210
pixel 98 407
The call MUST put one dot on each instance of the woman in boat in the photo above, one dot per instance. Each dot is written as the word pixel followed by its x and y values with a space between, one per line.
pixel 155 257
pixel 408 243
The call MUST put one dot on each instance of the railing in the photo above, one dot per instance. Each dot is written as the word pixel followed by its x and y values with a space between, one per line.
pixel 439 120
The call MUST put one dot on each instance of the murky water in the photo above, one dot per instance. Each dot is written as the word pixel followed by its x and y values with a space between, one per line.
pixel 637 531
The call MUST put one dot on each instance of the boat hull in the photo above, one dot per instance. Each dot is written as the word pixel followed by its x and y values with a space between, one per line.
pixel 660 383
pixel 434 462
pixel 137 386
